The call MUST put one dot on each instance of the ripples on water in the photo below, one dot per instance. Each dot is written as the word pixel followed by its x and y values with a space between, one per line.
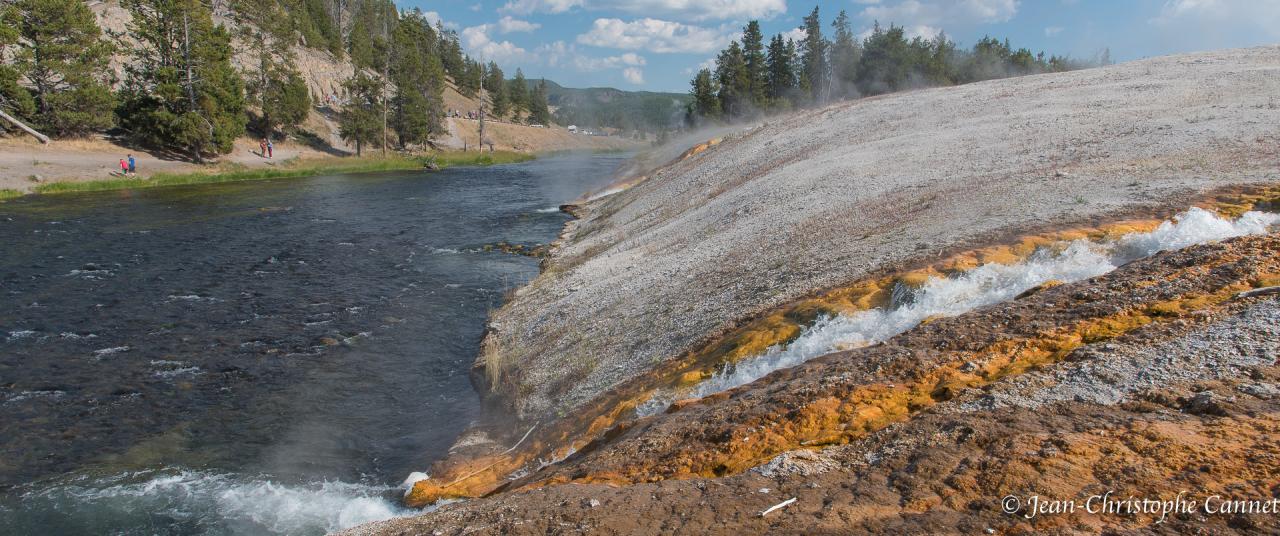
pixel 252 357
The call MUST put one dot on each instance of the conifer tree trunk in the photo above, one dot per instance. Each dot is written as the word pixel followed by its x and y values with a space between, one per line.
pixel 24 127
pixel 191 88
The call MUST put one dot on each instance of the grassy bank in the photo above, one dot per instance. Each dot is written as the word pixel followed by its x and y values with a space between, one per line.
pixel 287 169
pixel 6 193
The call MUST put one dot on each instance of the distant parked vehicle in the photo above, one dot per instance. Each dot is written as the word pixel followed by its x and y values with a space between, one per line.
pixel 573 129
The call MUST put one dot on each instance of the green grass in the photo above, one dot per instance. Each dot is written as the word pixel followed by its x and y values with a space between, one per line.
pixel 288 169
pixel 6 193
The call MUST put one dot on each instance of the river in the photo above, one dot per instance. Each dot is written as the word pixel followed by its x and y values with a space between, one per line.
pixel 265 357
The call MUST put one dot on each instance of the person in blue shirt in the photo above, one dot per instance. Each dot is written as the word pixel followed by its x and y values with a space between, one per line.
pixel 133 166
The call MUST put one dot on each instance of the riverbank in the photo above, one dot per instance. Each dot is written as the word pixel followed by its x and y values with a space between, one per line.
pixel 294 167
pixel 268 357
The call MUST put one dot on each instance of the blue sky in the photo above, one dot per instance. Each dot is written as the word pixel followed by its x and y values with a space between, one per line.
pixel 658 44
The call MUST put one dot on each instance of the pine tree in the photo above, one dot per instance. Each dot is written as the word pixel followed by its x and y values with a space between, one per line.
pixel 451 52
pixel 311 20
pixel 845 54
pixel 814 58
pixel 62 55
pixel 360 121
pixel 731 77
pixel 371 27
pixel 754 57
pixel 885 61
pixel 781 73
pixel 181 92
pixel 496 85
pixel 538 111
pixel 360 44
pixel 419 79
pixel 705 103
pixel 14 98
pixel 472 77
pixel 518 92
pixel 940 65
pixel 275 85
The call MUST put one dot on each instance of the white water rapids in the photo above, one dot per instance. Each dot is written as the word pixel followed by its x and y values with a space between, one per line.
pixel 985 285
pixel 217 503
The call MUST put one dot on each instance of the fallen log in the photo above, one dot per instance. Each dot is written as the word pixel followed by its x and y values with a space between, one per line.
pixel 24 127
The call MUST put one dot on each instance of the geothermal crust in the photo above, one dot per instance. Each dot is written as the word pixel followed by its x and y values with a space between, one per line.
pixel 826 197
pixel 1163 380
pixel 1156 378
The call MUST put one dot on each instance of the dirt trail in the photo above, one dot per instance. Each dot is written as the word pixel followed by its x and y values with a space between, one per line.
pixel 25 164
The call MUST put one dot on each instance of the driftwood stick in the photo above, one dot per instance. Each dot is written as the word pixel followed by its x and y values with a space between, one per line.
pixel 778 506
pixel 24 127
pixel 1262 291
pixel 486 468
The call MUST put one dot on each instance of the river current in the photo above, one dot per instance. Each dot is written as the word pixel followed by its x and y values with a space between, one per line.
pixel 252 358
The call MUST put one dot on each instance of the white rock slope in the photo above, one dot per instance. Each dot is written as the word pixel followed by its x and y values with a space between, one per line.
pixel 827 197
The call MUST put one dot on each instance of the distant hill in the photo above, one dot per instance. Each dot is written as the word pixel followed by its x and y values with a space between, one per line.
pixel 608 107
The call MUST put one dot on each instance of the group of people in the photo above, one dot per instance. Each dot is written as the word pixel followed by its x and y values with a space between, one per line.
pixel 128 167
pixel 471 114
pixel 265 148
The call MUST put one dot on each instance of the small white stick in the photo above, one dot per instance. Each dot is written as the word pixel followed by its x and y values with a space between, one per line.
pixel 778 506
pixel 1264 291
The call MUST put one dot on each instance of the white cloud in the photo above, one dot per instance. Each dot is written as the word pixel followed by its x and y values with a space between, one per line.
pixel 700 9
pixel 937 12
pixel 653 35
pixel 910 32
pixel 696 10
pixel 525 7
pixel 560 54
pixel 1052 31
pixel 922 30
pixel 633 75
pixel 435 19
pixel 1248 12
pixel 1184 25
pixel 795 34
pixel 480 45
pixel 508 25
pixel 632 59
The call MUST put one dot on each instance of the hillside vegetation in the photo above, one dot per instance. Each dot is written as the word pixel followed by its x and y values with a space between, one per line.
pixel 187 78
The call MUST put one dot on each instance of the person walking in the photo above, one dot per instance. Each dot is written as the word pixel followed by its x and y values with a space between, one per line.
pixel 270 148
pixel 133 166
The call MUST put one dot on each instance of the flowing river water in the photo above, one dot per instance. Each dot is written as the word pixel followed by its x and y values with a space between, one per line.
pixel 252 358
